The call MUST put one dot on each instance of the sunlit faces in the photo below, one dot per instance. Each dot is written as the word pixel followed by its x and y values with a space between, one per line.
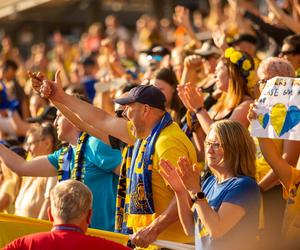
pixel 222 76
pixel 35 104
pixel 247 47
pixel 63 126
pixel 164 87
pixel 209 63
pixel 34 145
pixel 213 150
pixel 136 113
pixel 288 53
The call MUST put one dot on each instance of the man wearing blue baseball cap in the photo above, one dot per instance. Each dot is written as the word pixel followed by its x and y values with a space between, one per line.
pixel 149 206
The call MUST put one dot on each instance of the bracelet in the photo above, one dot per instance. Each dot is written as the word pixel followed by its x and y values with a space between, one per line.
pixel 198 110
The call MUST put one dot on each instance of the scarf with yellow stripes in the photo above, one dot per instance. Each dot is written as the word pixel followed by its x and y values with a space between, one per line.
pixel 65 158
pixel 135 205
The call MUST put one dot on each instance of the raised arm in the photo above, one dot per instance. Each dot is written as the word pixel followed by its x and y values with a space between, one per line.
pixel 191 65
pixel 239 113
pixel 20 126
pixel 271 154
pixel 181 17
pixel 83 114
pixel 217 223
pixel 93 119
pixel 39 166
pixel 281 168
pixel 287 20
pixel 80 124
pixel 169 173
pixel 192 98
pixel 290 154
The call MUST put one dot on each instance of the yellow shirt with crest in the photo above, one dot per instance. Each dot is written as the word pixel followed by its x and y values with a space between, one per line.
pixel 170 144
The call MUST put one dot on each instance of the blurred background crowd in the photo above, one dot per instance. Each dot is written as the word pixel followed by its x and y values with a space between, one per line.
pixel 104 48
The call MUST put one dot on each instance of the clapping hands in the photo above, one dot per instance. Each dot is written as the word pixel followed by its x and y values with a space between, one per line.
pixel 186 177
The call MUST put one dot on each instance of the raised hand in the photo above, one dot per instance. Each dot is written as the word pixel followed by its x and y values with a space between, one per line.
pixel 193 62
pixel 181 16
pixel 169 173
pixel 193 96
pixel 36 80
pixel 219 37
pixel 252 115
pixel 52 89
pixel 182 96
pixel 189 174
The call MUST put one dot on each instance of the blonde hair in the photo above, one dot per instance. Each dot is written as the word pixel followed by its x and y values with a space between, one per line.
pixel 70 200
pixel 276 66
pixel 238 146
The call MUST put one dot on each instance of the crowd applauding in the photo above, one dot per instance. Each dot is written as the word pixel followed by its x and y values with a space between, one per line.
pixel 156 124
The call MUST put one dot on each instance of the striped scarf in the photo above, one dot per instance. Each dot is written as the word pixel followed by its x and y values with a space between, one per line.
pixel 123 196
pixel 135 206
pixel 65 158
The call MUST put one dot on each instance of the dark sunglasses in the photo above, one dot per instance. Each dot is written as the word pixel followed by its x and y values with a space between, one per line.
pixel 285 53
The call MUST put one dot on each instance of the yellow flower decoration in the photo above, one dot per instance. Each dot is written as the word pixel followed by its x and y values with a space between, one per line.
pixel 246 65
pixel 228 52
pixel 236 56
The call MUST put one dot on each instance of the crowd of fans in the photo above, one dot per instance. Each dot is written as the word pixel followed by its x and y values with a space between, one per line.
pixel 156 124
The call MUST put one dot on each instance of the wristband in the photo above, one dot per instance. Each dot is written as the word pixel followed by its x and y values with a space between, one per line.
pixel 198 196
pixel 198 110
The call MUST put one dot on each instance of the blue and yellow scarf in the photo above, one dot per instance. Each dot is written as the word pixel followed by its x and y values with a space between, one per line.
pixel 64 161
pixel 135 208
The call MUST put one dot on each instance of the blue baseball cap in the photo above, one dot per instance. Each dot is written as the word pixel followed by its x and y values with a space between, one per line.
pixel 146 94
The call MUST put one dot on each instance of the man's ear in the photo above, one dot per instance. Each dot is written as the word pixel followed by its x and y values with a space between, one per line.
pixel 50 214
pixel 147 109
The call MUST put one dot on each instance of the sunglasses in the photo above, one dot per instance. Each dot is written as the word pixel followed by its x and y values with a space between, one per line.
pixel 119 113
pixel 286 53
pixel 156 58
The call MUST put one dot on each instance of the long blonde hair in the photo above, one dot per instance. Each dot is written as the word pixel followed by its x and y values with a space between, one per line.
pixel 237 88
pixel 238 146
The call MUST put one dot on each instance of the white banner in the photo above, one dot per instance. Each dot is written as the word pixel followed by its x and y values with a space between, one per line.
pixel 278 110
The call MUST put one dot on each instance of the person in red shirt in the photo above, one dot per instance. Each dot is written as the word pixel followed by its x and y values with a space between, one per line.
pixel 70 212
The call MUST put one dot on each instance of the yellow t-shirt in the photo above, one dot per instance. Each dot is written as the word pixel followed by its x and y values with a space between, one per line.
pixel 291 221
pixel 8 187
pixel 171 144
pixel 262 167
